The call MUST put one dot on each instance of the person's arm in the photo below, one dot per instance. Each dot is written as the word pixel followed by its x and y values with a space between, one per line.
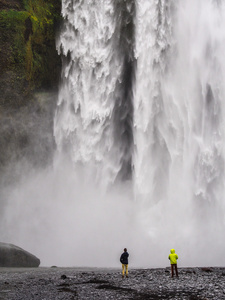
pixel 121 258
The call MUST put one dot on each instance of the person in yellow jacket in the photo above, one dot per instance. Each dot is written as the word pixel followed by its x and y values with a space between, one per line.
pixel 173 261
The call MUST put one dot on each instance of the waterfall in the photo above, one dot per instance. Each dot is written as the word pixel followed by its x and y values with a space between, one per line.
pixel 139 130
pixel 178 103
pixel 141 99
pixel 141 95
pixel 152 157
pixel 93 120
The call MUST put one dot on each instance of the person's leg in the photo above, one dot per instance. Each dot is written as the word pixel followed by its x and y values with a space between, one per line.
pixel 176 270
pixel 127 270
pixel 123 269
pixel 171 270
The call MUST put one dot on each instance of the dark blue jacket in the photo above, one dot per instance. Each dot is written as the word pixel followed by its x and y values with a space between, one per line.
pixel 124 258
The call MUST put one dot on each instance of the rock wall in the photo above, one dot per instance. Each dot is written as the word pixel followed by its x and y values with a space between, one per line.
pixel 28 58
pixel 30 70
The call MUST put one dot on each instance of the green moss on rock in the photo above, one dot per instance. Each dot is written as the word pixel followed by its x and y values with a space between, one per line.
pixel 28 59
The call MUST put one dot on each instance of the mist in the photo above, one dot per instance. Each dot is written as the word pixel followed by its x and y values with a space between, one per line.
pixel 67 222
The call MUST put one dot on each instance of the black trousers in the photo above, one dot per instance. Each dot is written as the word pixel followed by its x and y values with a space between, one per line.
pixel 172 269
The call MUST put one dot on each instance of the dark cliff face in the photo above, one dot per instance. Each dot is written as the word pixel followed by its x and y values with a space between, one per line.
pixel 29 69
pixel 28 58
pixel 11 4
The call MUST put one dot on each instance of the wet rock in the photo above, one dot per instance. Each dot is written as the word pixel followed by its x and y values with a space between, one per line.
pixel 208 270
pixel 167 271
pixel 47 283
pixel 13 256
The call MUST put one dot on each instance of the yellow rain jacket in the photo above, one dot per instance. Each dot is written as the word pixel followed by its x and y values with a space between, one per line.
pixel 173 257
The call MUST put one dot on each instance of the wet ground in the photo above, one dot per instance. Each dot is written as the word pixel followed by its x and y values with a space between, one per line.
pixel 74 283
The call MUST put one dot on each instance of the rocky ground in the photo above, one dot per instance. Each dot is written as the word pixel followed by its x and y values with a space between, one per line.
pixel 74 283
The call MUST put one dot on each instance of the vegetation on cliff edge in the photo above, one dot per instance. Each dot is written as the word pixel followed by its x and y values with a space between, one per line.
pixel 28 58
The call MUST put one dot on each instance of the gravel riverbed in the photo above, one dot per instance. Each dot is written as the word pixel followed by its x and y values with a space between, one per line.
pixel 81 283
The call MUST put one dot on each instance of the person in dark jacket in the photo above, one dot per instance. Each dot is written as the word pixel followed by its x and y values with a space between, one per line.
pixel 124 262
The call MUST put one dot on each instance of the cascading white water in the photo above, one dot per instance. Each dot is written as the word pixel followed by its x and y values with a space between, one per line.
pixel 90 43
pixel 179 100
pixel 177 94
pixel 153 46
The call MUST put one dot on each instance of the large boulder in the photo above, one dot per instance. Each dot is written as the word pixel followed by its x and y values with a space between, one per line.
pixel 13 256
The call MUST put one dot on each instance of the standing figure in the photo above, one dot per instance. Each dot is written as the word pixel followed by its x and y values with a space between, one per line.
pixel 173 261
pixel 124 262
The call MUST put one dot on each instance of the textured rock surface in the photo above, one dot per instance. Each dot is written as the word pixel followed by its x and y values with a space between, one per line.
pixel 11 4
pixel 71 283
pixel 28 58
pixel 13 256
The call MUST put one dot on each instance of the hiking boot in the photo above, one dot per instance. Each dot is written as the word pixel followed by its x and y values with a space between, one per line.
pixel 126 276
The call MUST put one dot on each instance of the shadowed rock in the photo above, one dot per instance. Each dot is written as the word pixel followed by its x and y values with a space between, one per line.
pixel 208 270
pixel 13 256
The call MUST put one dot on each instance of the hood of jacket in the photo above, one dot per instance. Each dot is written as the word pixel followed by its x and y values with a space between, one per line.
pixel 172 251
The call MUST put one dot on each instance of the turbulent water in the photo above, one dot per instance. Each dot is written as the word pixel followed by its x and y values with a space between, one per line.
pixel 141 95
pixel 139 128
pixel 94 116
